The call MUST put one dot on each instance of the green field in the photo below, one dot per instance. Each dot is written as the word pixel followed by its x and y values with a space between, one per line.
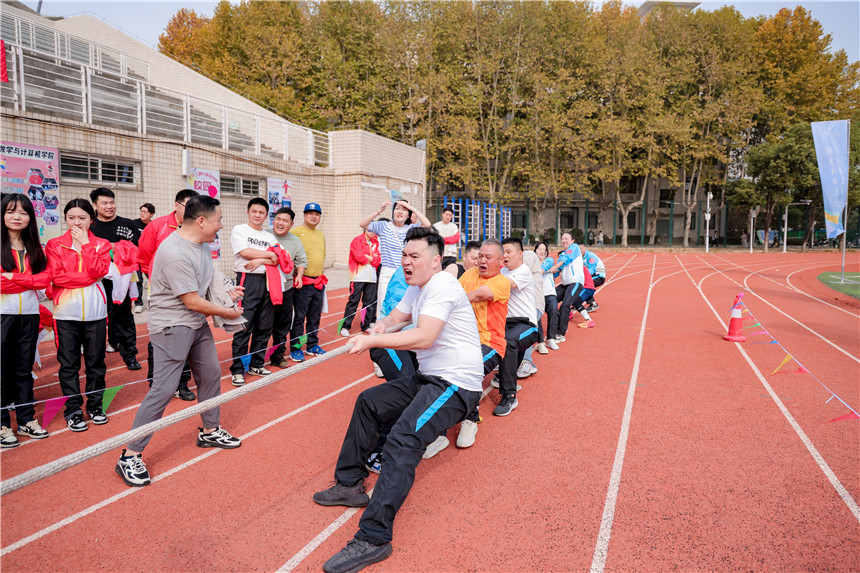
pixel 851 286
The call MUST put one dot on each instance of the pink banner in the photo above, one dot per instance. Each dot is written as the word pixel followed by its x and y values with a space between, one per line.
pixel 53 406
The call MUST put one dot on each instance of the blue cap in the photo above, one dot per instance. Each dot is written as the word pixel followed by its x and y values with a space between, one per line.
pixel 313 207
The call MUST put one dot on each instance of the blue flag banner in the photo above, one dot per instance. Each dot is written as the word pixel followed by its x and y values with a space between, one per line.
pixel 831 147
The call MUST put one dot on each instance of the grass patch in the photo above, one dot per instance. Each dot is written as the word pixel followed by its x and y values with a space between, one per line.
pixel 851 286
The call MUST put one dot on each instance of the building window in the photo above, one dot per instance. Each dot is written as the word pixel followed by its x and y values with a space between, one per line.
pixel 569 219
pixel 518 219
pixel 631 220
pixel 237 185
pixel 96 170
pixel 667 197
pixel 592 219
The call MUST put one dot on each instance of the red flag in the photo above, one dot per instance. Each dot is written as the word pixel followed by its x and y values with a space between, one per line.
pixel 4 75
pixel 849 416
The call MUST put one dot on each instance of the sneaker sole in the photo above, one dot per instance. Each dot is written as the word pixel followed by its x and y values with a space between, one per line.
pixel 238 384
pixel 356 502
pixel 10 446
pixel 129 483
pixel 185 398
pixel 32 437
pixel 100 423
pixel 296 360
pixel 205 444
pixel 84 429
pixel 506 413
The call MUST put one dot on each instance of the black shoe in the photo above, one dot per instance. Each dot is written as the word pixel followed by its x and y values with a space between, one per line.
pixel 357 555
pixel 185 394
pixel 339 494
pixel 133 364
pixel 218 438
pixel 506 406
pixel 132 470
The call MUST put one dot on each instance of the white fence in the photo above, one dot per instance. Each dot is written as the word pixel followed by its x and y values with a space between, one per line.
pixel 111 90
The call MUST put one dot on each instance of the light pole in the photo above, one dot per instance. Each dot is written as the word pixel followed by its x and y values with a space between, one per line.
pixel 785 222
pixel 708 221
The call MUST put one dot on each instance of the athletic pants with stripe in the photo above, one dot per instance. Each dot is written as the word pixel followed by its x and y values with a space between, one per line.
pixel 258 310
pixel 566 293
pixel 173 346
pixel 520 334
pixel 421 408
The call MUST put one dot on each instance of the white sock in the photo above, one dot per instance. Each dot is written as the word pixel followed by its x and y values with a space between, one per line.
pixel 584 314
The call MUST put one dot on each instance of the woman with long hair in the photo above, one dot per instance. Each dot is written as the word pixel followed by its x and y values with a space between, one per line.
pixel 77 261
pixel 542 251
pixel 23 275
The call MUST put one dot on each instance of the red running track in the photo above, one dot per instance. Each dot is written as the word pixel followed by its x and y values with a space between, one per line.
pixel 702 464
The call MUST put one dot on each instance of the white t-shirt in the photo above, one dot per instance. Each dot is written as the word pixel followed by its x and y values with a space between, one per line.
pixel 446 230
pixel 244 237
pixel 531 260
pixel 456 353
pixel 522 301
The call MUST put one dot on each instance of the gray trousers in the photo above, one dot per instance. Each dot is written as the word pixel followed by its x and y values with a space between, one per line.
pixel 171 347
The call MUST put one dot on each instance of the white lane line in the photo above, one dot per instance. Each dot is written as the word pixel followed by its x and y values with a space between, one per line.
pixel 791 286
pixel 93 508
pixel 819 459
pixel 598 560
pixel 746 287
pixel 314 543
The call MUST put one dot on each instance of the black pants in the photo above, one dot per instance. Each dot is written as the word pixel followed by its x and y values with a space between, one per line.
pixel 394 364
pixel 520 334
pixel 122 333
pixel 150 362
pixel 551 315
pixel 491 360
pixel 366 292
pixel 70 335
pixel 421 408
pixel 566 293
pixel 598 281
pixel 20 333
pixel 307 305
pixel 281 326
pixel 258 310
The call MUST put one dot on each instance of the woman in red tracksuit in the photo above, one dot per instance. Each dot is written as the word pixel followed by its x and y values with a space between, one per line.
pixel 77 261
pixel 23 275
pixel 364 259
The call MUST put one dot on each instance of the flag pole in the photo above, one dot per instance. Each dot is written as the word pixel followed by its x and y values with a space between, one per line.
pixel 845 213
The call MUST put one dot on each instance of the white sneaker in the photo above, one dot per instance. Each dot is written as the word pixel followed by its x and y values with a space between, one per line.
pixel 524 371
pixel 542 348
pixel 495 384
pixel 378 370
pixel 533 368
pixel 551 343
pixel 344 332
pixel 110 348
pixel 138 308
pixel 560 339
pixel 437 446
pixel 468 431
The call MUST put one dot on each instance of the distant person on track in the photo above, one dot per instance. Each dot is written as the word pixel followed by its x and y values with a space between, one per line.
pixel 147 212
pixel 309 295
pixel 283 321
pixel 569 266
pixel 488 292
pixel 527 366
pixel 150 239
pixel 77 261
pixel 549 294
pixel 595 266
pixel 422 406
pixel 181 273
pixel 520 326
pixel 363 263
pixel 450 233
pixel 578 303
pixel 24 274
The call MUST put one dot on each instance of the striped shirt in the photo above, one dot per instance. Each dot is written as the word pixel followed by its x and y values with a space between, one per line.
pixel 391 241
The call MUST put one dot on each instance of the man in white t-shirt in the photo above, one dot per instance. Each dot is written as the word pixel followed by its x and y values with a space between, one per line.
pixel 450 233
pixel 421 406
pixel 521 326
pixel 250 256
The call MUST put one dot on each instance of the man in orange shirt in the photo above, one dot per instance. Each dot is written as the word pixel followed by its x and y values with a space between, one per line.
pixel 488 291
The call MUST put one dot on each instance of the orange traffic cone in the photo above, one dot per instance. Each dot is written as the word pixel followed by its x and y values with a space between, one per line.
pixel 736 322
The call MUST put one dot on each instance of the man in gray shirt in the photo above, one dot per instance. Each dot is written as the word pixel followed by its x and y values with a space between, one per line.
pixel 281 226
pixel 181 273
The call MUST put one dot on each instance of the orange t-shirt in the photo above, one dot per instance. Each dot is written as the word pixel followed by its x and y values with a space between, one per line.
pixel 491 314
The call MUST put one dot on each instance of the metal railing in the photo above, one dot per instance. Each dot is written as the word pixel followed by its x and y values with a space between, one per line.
pixel 60 86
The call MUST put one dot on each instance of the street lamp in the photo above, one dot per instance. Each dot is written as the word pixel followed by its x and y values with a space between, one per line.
pixel 785 222
pixel 708 221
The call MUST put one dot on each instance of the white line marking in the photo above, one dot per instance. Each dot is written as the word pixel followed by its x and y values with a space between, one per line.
pixel 598 561
pixel 788 280
pixel 831 477
pixel 71 519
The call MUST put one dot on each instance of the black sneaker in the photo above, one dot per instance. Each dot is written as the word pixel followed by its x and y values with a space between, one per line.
pixel 76 423
pixel 132 470
pixel 357 555
pixel 184 393
pixel 218 438
pixel 339 494
pixel 506 406
pixel 98 417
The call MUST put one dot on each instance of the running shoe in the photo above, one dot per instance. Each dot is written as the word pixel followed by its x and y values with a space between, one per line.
pixel 98 416
pixel 297 356
pixel 357 555
pixel 32 430
pixel 495 384
pixel 7 438
pixel 506 406
pixel 378 370
pixel 587 324
pixel 560 338
pixel 435 447
pixel 541 348
pixel 594 306
pixel 344 332
pixel 132 470
pixel 551 344
pixel 76 422
pixel 259 371
pixel 238 380
pixel 339 494
pixel 315 350
pixel 374 464
pixel 468 431
pixel 108 349
pixel 525 369
pixel 217 438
